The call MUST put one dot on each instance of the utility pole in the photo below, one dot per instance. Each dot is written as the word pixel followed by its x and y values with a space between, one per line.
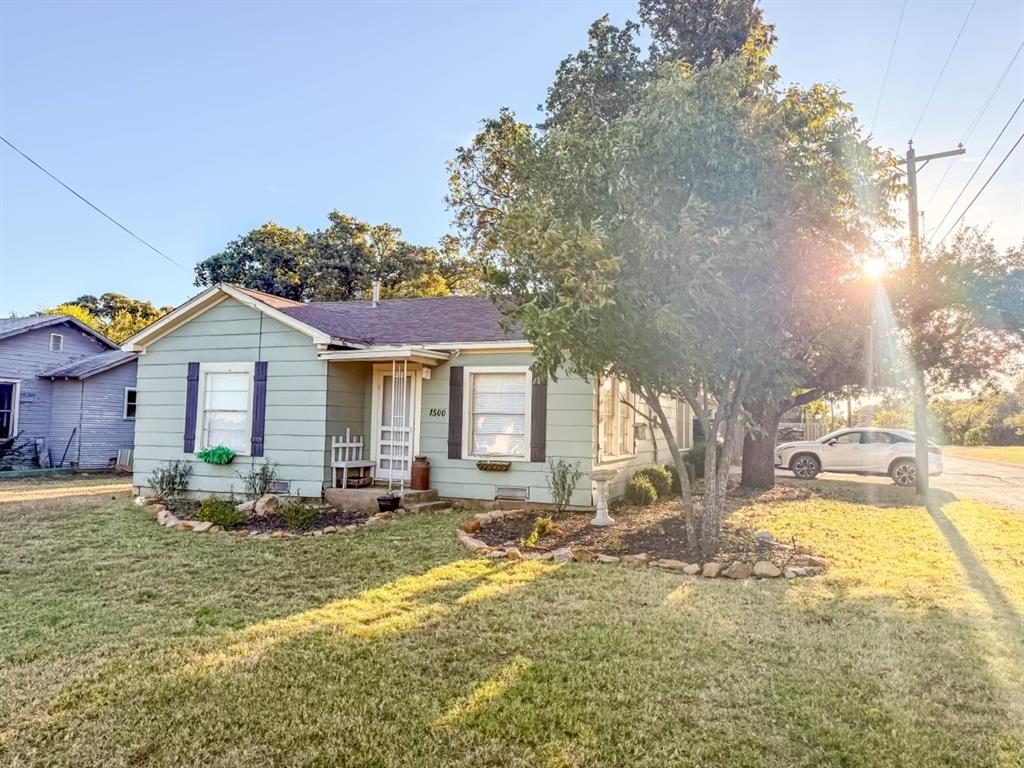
pixel 914 163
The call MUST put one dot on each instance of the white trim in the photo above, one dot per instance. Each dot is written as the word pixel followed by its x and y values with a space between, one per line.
pixel 205 368
pixel 483 346
pixel 16 397
pixel 124 413
pixel 60 347
pixel 467 410
pixel 412 354
pixel 377 405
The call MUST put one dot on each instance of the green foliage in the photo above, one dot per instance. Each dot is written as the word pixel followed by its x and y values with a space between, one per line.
pixel 257 479
pixel 676 487
pixel 994 418
pixel 339 262
pixel 298 516
pixel 114 315
pixel 694 459
pixel 640 491
pixel 660 478
pixel 221 512
pixel 562 479
pixel 219 454
pixel 542 526
pixel 170 479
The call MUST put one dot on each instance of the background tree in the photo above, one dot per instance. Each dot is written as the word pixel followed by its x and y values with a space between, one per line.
pixel 114 315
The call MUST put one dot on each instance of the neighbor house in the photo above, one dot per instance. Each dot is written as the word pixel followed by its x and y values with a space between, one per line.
pixel 277 380
pixel 67 394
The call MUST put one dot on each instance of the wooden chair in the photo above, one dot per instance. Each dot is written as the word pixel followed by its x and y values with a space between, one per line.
pixel 347 454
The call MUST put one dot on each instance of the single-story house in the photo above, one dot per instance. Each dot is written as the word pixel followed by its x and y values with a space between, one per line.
pixel 67 394
pixel 277 380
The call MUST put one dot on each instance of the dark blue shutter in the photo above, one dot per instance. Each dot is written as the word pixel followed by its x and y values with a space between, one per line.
pixel 191 404
pixel 455 412
pixel 259 408
pixel 538 420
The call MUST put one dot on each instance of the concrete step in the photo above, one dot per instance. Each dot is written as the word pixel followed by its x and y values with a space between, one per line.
pixel 418 497
pixel 426 506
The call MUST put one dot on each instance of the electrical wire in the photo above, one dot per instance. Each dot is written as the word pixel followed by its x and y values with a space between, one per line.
pixel 96 208
pixel 888 65
pixel 943 70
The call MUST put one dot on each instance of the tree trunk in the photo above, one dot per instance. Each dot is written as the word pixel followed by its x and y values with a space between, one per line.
pixel 759 450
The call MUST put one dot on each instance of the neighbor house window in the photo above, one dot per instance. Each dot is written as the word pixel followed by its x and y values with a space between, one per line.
pixel 56 342
pixel 130 399
pixel 617 417
pixel 227 403
pixel 498 407
pixel 8 409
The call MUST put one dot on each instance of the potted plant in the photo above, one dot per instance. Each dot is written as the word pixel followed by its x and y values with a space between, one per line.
pixel 389 501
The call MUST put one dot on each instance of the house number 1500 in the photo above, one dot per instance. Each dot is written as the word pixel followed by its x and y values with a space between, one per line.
pixel 439 412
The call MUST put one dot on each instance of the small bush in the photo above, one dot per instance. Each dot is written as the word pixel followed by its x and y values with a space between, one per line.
pixel 640 491
pixel 258 479
pixel 542 526
pixel 562 479
pixel 660 478
pixel 219 454
pixel 222 513
pixel 676 488
pixel 298 516
pixel 695 457
pixel 170 480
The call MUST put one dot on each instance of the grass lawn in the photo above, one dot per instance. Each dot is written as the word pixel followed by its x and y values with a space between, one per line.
pixel 125 644
pixel 1003 454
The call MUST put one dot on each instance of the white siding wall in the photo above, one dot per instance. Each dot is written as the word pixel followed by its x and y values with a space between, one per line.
pixel 296 435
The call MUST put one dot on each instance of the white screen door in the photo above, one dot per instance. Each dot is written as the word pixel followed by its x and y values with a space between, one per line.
pixel 395 427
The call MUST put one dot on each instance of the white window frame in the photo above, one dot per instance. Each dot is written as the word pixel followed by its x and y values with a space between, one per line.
pixel 606 455
pixel 207 368
pixel 125 412
pixel 467 410
pixel 60 345
pixel 16 396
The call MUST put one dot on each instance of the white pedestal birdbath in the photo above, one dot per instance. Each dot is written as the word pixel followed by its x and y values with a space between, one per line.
pixel 601 477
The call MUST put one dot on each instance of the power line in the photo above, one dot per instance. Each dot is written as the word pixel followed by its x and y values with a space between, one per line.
pixel 943 70
pixel 94 207
pixel 977 119
pixel 989 179
pixel 888 64
pixel 978 168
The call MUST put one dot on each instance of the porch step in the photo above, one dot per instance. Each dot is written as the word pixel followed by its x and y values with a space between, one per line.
pixel 418 497
pixel 426 506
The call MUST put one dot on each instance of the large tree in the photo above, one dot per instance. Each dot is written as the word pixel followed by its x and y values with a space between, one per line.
pixel 113 314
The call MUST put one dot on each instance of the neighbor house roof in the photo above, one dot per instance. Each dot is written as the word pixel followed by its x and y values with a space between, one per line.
pixel 12 326
pixel 442 320
pixel 84 367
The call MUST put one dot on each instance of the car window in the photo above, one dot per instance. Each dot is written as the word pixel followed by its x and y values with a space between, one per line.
pixel 848 438
pixel 879 437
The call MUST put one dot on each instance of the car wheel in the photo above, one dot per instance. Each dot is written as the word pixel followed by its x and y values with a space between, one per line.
pixel 904 473
pixel 805 466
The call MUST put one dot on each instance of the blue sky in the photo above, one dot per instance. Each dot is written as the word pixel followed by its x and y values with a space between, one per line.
pixel 192 123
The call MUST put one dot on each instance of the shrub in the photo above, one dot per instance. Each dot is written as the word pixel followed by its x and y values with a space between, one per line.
pixel 298 516
pixel 640 491
pixel 258 479
pixel 674 473
pixel 660 478
pixel 222 513
pixel 171 479
pixel 542 526
pixel 695 457
pixel 562 480
pixel 219 454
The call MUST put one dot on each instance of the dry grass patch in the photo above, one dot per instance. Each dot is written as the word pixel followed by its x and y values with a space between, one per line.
pixel 1002 454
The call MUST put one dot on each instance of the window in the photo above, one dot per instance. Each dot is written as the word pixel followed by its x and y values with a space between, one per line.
pixel 226 402
pixel 847 438
pixel 56 342
pixel 879 437
pixel 498 408
pixel 8 409
pixel 617 417
pixel 130 400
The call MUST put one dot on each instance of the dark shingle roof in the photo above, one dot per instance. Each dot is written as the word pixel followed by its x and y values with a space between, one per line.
pixel 444 320
pixel 84 367
pixel 12 326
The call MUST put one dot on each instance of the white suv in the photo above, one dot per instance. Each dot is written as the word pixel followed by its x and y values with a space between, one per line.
pixel 863 451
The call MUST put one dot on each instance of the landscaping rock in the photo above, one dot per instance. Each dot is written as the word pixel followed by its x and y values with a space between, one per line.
pixel 790 573
pixel 472 525
pixel 562 555
pixel 765 537
pixel 765 570
pixel 318 532
pixel 278 534
pixel 671 565
pixel 817 562
pixel 494 554
pixel 267 505
pixel 185 525
pixel 246 506
pixel 331 529
pixel 470 542
pixel 738 570
pixel 691 569
pixel 636 560
pixel 797 570
pixel 583 555
pixel 711 570
pixel 607 559
pixel 513 553
pixel 215 529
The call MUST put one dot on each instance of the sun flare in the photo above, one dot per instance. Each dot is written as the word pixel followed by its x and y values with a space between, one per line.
pixel 874 268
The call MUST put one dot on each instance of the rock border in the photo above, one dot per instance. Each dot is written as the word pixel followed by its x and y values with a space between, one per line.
pixel 164 517
pixel 737 569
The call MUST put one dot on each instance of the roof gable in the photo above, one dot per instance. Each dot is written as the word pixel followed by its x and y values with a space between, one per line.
pixel 13 326
pixel 84 367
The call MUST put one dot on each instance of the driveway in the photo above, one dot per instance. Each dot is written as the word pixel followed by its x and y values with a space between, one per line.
pixel 1001 484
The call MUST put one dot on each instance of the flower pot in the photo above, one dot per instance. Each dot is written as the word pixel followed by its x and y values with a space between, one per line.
pixel 388 503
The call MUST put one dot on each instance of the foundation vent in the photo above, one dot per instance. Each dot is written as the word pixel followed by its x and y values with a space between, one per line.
pixel 514 492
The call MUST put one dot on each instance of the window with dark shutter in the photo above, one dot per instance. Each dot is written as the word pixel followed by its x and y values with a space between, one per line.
pixel 191 403
pixel 455 395
pixel 259 407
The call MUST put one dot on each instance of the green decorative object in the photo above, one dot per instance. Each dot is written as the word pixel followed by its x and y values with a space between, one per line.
pixel 219 454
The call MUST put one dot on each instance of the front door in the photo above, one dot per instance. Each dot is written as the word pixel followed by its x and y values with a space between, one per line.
pixel 395 409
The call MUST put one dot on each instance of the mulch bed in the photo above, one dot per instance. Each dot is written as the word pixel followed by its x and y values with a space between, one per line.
pixel 186 509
